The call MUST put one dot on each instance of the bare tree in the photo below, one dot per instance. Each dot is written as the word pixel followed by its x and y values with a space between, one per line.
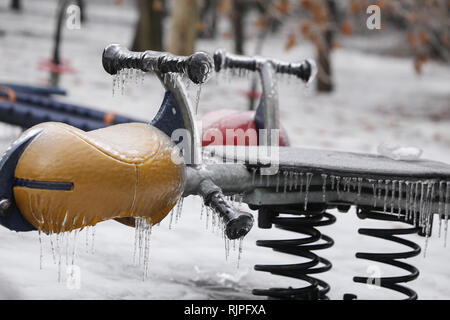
pixel 149 29
pixel 16 5
pixel 238 14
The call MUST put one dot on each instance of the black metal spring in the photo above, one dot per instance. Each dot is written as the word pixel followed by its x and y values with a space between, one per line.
pixel 304 223
pixel 390 258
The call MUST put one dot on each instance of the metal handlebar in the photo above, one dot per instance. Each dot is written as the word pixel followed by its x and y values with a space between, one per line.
pixel 197 66
pixel 304 70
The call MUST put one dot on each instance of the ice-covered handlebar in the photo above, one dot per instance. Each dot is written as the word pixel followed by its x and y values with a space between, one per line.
pixel 304 70
pixel 237 223
pixel 197 66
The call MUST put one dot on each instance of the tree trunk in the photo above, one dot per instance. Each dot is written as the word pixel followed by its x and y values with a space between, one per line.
pixel 208 17
pixel 184 17
pixel 149 30
pixel 15 5
pixel 324 75
pixel 238 14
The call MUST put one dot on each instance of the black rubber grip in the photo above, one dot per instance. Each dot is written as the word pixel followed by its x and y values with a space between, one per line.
pixel 197 66
pixel 237 223
pixel 225 60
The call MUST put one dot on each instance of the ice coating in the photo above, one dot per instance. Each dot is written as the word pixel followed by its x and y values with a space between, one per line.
pixel 414 190
pixel 397 152
pixel 240 65
pixel 198 67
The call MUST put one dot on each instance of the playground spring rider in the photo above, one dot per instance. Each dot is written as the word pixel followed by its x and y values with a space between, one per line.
pixel 296 198
pixel 308 183
pixel 267 113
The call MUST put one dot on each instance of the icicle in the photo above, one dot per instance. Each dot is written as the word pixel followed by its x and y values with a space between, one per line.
pixel 74 249
pixel 354 183
pixel 291 180
pixel 87 239
pixel 67 234
pixel 422 187
pixel 114 79
pixel 407 199
pixel 93 240
pixel 394 182
pixel 58 250
pixel 147 234
pixel 278 182
pixel 171 219
pixel 358 197
pixel 324 187
pixel 285 181
pixel 338 180
pixel 400 195
pixel 253 175
pixel 345 188
pixel 447 212
pixel 440 208
pixel 208 211
pixel 380 184
pixel 197 99
pixel 374 189
pixel 227 245
pixel 179 209
pixel 53 248
pixel 301 183
pixel 295 180
pixel 122 80
pixel 386 191
pixel 414 201
pixel 136 239
pixel 308 182
pixel 40 249
pixel 202 210
pixel 240 251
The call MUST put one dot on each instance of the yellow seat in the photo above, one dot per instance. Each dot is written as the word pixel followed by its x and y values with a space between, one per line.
pixel 120 171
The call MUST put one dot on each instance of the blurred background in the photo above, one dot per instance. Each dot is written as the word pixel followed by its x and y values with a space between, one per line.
pixel 380 79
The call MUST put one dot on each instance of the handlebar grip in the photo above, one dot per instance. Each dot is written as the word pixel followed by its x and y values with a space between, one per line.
pixel 304 70
pixel 237 223
pixel 197 66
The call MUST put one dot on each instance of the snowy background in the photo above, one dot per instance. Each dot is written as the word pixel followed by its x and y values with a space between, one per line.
pixel 378 98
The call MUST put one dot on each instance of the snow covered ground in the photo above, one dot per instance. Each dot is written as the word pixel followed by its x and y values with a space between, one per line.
pixel 377 99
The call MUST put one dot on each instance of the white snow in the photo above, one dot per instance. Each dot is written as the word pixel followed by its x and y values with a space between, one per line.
pixel 377 98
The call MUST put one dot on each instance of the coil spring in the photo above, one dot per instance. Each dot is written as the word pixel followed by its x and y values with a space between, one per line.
pixel 390 258
pixel 304 223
